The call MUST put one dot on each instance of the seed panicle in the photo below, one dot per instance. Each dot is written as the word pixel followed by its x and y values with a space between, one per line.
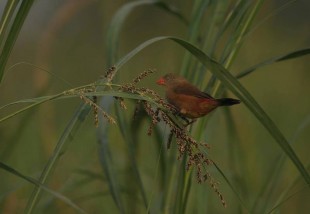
pixel 96 108
pixel 110 73
pixel 143 75
pixel 166 113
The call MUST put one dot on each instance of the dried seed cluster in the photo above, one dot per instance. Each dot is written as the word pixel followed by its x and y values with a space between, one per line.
pixel 153 114
pixel 195 158
pixel 110 73
pixel 121 102
pixel 96 109
pixel 92 102
pixel 185 143
pixel 165 112
pixel 143 75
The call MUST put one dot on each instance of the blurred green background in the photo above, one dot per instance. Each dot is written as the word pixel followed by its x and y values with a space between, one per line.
pixel 68 38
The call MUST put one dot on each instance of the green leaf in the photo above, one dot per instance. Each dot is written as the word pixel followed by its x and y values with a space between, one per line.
pixel 51 164
pixel 13 34
pixel 106 160
pixel 120 17
pixel 288 56
pixel 172 10
pixel 128 137
pixel 42 186
pixel 40 100
pixel 277 170
pixel 199 10
pixel 6 18
pixel 231 187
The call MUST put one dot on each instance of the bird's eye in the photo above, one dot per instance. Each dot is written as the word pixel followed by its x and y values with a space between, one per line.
pixel 169 77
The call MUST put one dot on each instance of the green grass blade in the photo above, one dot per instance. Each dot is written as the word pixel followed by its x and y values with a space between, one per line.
pixel 212 28
pixel 226 23
pixel 241 32
pixel 172 10
pixel 40 100
pixel 28 107
pixel 121 16
pixel 105 157
pixel 240 16
pixel 171 184
pixel 128 137
pixel 287 199
pixel 52 74
pixel 7 15
pixel 288 56
pixel 277 169
pixel 236 159
pixel 13 141
pixel 233 84
pixel 231 187
pixel 37 100
pixel 42 186
pixel 13 34
pixel 186 189
pixel 180 186
pixel 112 180
pixel 51 164
pixel 268 16
pixel 239 20
pixel 199 9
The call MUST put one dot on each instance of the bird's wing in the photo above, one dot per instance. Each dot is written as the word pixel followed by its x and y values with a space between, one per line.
pixel 191 91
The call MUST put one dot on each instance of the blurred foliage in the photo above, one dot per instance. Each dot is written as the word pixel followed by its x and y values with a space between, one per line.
pixel 54 46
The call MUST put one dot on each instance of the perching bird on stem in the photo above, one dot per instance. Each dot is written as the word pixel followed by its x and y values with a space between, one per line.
pixel 188 99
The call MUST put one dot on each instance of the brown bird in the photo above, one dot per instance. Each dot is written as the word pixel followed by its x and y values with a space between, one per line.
pixel 188 99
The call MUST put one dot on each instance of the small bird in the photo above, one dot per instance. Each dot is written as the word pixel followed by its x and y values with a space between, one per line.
pixel 188 99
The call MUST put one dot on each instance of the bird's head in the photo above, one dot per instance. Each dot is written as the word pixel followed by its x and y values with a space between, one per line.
pixel 169 79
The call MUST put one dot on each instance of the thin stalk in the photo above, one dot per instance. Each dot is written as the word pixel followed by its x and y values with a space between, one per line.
pixel 188 182
pixel 13 34
pixel 180 187
pixel 52 161
pixel 7 15
pixel 31 106
pixel 231 56
pixel 170 184
pixel 197 14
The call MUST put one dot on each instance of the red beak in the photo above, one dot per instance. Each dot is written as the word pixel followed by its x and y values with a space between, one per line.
pixel 161 81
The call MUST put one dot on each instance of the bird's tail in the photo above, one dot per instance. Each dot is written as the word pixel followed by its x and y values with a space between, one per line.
pixel 228 101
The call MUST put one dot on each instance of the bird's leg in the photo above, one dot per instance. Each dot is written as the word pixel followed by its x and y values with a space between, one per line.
pixel 190 122
pixel 184 118
pixel 187 121
pixel 176 112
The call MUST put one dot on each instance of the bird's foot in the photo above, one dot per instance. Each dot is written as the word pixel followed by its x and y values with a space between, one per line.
pixel 189 122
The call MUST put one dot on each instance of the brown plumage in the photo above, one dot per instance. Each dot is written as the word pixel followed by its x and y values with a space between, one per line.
pixel 188 99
